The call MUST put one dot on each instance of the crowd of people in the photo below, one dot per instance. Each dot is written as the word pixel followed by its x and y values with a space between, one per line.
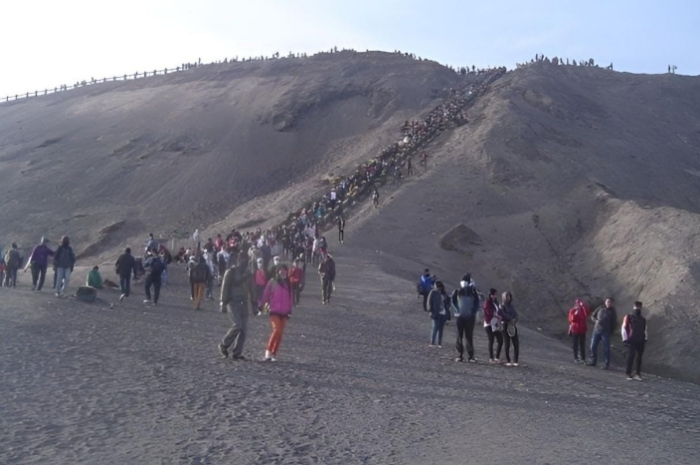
pixel 556 61
pixel 500 324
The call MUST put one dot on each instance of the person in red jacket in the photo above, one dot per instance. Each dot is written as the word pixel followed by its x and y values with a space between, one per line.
pixel 296 278
pixel 577 329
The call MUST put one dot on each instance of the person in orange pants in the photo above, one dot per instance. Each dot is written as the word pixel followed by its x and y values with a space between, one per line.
pixel 199 276
pixel 278 295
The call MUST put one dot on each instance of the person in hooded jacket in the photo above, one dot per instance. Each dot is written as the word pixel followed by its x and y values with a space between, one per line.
pixel 466 302
pixel 64 260
pixel 439 308
pixel 510 318
pixel 38 261
pixel 492 325
pixel 578 328
pixel 278 295
pixel 425 285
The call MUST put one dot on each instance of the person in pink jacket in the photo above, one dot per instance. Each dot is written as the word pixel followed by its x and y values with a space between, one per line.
pixel 278 295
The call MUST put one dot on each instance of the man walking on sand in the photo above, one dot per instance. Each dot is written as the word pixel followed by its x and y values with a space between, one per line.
pixel 38 262
pixel 634 335
pixel 235 289
pixel 327 271
pixel 200 275
pixel 605 319
pixel 125 267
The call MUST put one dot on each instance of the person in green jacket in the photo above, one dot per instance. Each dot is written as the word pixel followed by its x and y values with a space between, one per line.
pixel 94 278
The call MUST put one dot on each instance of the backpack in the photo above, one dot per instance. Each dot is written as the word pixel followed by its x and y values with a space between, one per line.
pixel 157 266
pixel 637 328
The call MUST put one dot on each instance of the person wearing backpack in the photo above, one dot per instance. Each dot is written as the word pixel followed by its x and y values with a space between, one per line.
pixel 278 296
pixel 425 285
pixel 13 260
pixel 64 261
pixel 493 325
pixel 605 319
pixel 466 302
pixel 155 266
pixel 439 307
pixel 200 276
pixel 577 330
pixel 634 335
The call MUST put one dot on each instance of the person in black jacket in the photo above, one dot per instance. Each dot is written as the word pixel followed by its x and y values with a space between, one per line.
pixel 155 266
pixel 439 308
pixel 64 261
pixel 605 319
pixel 125 266
pixel 634 335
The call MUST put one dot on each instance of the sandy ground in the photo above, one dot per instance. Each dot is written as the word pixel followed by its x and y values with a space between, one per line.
pixel 355 383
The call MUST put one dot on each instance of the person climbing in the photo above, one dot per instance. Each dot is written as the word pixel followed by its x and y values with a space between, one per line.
pixel 278 296
pixel 493 325
pixel 425 285
pixel 634 336
pixel 200 276
pixel 38 261
pixel 235 290
pixel 375 196
pixel 510 320
pixel 466 301
pixel 439 308
pixel 577 330
pixel 341 229
pixel 327 271
pixel 605 319
pixel 13 261
pixel 64 261
pixel 125 267
pixel 94 278
pixel 155 266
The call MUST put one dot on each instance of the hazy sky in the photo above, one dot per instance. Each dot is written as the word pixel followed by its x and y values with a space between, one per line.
pixel 45 43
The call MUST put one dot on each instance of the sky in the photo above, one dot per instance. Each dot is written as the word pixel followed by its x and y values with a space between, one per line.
pixel 46 43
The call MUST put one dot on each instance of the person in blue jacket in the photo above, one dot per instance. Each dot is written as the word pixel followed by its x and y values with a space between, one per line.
pixel 425 285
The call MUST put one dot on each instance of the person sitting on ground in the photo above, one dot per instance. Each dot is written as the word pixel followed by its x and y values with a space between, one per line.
pixel 94 278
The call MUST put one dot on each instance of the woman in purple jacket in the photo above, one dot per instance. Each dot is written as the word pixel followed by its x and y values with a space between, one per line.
pixel 278 296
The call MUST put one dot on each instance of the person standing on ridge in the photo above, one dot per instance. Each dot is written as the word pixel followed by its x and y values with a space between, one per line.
pixel 38 261
pixel 64 260
pixel 125 267
pixel 327 271
pixel 493 325
pixel 439 308
pixel 605 319
pixel 466 301
pixel 424 287
pixel 577 330
pixel 510 319
pixel 235 289
pixel 634 335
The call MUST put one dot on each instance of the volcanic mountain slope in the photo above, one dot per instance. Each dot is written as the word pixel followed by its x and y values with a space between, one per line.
pixel 166 154
pixel 570 182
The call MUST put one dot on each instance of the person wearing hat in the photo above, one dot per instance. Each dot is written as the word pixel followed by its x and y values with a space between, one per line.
pixel 466 303
pixel 38 261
